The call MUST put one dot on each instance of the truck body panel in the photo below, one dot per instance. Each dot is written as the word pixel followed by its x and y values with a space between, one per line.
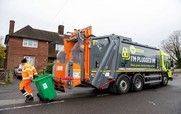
pixel 109 60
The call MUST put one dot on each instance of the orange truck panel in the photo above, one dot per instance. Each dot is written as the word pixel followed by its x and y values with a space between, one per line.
pixel 60 70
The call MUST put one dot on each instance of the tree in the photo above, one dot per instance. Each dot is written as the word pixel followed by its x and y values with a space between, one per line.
pixel 2 53
pixel 1 40
pixel 172 46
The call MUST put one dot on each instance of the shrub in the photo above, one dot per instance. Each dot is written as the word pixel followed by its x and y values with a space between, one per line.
pixel 49 68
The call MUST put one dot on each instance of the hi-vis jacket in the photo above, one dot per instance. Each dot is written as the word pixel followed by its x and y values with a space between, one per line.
pixel 27 71
pixel 34 71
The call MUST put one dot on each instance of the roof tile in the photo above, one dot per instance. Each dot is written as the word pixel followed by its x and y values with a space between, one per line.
pixel 31 33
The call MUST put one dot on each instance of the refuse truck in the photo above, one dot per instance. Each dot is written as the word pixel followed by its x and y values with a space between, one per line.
pixel 110 62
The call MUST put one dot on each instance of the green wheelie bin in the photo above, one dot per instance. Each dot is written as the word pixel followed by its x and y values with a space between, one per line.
pixel 45 86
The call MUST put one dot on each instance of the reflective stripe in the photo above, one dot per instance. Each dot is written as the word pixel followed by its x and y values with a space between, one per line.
pixel 31 94
pixel 23 70
pixel 26 78
pixel 28 68
pixel 25 94
pixel 32 68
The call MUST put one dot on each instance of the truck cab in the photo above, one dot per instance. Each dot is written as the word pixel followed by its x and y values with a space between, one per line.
pixel 166 64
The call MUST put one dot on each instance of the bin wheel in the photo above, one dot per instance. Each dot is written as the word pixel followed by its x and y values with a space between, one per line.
pixel 46 100
pixel 41 99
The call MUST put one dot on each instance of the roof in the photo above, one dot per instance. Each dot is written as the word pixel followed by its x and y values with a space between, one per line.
pixel 31 33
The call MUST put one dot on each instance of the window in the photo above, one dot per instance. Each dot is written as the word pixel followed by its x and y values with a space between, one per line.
pixel 59 47
pixel 30 43
pixel 167 62
pixel 30 59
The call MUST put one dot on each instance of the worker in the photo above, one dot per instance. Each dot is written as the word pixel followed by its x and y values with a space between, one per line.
pixel 27 76
pixel 35 74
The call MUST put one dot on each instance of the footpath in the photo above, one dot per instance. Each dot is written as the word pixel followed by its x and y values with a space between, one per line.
pixel 10 94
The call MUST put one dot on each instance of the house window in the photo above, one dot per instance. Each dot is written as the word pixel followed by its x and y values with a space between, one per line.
pixel 30 43
pixel 59 47
pixel 30 59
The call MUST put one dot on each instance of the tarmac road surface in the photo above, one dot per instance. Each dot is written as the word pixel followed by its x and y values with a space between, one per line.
pixel 152 100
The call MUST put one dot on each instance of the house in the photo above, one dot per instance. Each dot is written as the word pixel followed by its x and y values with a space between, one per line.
pixel 38 46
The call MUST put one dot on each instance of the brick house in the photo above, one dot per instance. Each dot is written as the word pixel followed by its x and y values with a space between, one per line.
pixel 38 46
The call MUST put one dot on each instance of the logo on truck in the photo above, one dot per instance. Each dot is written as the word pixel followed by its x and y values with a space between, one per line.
pixel 125 54
pixel 137 57
pixel 134 50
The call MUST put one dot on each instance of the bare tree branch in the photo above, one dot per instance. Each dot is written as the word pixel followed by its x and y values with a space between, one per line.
pixel 172 46
pixel 1 40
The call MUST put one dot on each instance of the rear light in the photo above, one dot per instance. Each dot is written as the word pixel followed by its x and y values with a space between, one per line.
pixel 67 78
pixel 19 69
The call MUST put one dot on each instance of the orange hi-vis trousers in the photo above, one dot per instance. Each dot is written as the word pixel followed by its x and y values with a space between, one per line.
pixel 26 85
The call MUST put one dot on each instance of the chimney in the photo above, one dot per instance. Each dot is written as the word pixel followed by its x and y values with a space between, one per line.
pixel 11 26
pixel 61 29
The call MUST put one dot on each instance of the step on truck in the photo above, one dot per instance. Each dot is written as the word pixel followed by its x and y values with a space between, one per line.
pixel 109 62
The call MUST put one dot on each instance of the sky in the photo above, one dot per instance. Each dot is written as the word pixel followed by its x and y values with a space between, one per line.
pixel 145 21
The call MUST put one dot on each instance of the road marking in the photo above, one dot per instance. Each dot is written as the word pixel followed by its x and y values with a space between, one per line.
pixel 28 106
pixel 152 103
pixel 101 95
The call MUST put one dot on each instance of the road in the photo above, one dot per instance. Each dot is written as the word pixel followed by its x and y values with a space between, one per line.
pixel 155 100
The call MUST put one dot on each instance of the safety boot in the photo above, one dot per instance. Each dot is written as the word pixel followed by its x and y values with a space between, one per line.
pixel 29 98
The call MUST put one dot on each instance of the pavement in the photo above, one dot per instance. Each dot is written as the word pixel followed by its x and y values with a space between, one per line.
pixel 10 94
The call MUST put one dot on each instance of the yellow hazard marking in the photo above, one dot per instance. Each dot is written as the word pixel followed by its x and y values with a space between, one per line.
pixel 94 71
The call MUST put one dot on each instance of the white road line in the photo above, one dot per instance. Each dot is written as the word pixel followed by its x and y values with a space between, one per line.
pixel 152 103
pixel 28 106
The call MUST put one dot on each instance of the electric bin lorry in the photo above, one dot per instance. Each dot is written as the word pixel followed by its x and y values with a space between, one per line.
pixel 109 62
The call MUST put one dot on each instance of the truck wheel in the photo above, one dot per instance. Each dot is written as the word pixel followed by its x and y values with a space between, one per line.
pixel 112 88
pixel 164 80
pixel 122 84
pixel 137 83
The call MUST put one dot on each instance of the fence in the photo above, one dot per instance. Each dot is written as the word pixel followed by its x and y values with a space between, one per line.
pixel 177 71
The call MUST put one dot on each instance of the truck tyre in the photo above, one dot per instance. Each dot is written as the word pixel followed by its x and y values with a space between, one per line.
pixel 112 88
pixel 164 80
pixel 123 84
pixel 137 82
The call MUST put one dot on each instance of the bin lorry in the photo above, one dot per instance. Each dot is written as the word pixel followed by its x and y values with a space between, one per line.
pixel 109 62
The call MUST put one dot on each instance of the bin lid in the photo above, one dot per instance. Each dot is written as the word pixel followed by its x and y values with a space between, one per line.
pixel 41 77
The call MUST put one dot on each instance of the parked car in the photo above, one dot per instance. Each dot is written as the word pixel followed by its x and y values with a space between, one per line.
pixel 18 71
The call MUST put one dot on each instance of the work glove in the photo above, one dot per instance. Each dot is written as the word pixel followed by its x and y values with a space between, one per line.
pixel 35 77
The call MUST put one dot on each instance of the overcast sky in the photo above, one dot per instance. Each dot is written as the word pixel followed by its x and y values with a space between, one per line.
pixel 145 21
